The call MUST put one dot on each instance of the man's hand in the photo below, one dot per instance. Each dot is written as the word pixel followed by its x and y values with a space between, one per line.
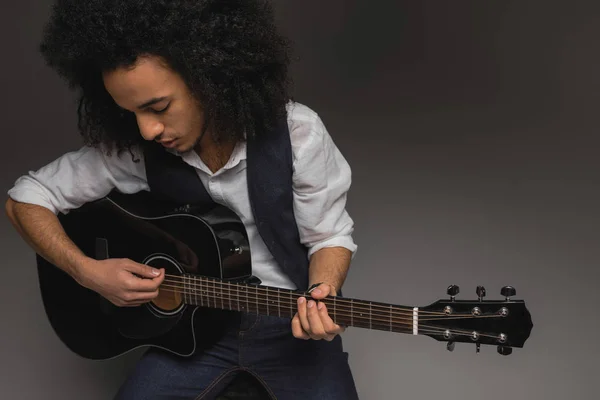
pixel 123 282
pixel 312 321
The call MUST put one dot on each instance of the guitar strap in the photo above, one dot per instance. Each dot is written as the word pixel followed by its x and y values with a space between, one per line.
pixel 269 175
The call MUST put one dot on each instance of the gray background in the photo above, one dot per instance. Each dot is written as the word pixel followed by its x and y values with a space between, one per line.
pixel 471 130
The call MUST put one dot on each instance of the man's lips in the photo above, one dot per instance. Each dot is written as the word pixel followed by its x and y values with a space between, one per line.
pixel 167 142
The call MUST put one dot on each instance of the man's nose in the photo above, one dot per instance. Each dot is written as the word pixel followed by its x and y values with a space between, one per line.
pixel 150 128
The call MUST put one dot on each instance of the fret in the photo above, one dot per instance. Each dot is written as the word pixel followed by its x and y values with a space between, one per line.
pixel 256 295
pixel 351 312
pixel 278 304
pixel 238 300
pixel 247 304
pixel 185 290
pixel 190 291
pixel 195 292
pixel 212 293
pixel 214 283
pixel 222 296
pixel 334 307
pixel 198 294
pixel 268 299
pixel 229 295
pixel 207 292
pixel 370 316
pixel 292 307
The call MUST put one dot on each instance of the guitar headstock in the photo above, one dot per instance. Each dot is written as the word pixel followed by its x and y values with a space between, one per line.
pixel 504 323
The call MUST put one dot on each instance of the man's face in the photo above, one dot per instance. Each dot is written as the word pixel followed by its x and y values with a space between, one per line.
pixel 164 107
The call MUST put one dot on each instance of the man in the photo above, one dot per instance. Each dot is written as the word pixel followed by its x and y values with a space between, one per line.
pixel 205 79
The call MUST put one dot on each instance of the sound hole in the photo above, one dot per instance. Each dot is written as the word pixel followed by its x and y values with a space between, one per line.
pixel 169 300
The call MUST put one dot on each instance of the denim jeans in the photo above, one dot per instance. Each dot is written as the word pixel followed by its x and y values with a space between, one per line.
pixel 289 368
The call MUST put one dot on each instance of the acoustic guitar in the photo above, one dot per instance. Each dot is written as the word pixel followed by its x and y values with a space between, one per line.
pixel 206 257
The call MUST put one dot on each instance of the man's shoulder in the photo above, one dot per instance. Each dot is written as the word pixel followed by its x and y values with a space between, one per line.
pixel 304 122
pixel 299 113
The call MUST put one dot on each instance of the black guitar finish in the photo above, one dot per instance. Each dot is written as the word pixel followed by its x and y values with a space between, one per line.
pixel 209 242
pixel 206 255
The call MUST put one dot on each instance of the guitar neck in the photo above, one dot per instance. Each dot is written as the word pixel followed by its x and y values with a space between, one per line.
pixel 270 301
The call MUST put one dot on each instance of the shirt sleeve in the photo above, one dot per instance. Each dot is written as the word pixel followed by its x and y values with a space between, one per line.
pixel 321 180
pixel 79 177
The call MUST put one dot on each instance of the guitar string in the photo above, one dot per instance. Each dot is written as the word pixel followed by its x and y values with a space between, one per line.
pixel 356 305
pixel 339 300
pixel 290 309
pixel 288 305
pixel 273 293
pixel 395 322
pixel 285 305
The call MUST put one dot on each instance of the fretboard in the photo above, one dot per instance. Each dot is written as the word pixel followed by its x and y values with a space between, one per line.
pixel 271 301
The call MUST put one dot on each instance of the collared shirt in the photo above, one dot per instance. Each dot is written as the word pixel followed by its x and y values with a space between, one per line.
pixel 321 180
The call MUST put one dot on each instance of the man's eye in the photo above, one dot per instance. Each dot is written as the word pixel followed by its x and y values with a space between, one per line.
pixel 161 111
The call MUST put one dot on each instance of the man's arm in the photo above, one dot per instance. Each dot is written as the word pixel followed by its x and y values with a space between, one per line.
pixel 42 231
pixel 330 265
pixel 67 183
pixel 322 178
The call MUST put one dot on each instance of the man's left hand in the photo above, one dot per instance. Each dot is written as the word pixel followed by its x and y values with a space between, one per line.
pixel 312 320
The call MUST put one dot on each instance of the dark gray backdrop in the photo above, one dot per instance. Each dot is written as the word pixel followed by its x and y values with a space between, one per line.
pixel 471 130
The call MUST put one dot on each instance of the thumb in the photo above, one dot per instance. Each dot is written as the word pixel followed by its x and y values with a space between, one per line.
pixel 321 291
pixel 142 270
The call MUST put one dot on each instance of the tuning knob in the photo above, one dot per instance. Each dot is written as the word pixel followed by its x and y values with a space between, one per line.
pixel 508 292
pixel 452 291
pixel 505 351
pixel 480 292
pixel 450 346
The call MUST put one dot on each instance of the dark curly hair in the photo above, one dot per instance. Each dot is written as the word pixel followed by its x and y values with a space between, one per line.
pixel 228 52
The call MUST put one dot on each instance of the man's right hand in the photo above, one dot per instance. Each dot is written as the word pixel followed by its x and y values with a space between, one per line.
pixel 122 281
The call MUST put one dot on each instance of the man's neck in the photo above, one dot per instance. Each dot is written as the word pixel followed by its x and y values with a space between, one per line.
pixel 215 155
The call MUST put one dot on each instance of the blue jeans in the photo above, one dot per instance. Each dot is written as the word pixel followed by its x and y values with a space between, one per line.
pixel 289 368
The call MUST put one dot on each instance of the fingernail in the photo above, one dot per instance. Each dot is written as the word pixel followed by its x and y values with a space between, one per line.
pixel 155 271
pixel 317 291
pixel 300 300
pixel 321 305
pixel 311 304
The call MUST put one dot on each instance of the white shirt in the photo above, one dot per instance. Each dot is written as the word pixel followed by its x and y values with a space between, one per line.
pixel 321 180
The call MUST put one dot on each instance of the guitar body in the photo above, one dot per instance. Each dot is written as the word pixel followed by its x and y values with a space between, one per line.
pixel 211 243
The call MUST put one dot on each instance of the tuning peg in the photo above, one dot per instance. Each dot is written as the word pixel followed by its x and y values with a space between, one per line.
pixel 452 291
pixel 480 292
pixel 477 347
pixel 504 350
pixel 508 292
pixel 450 346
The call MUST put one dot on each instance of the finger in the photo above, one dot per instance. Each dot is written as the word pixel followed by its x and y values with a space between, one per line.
pixel 302 314
pixel 138 298
pixel 145 271
pixel 143 284
pixel 144 296
pixel 317 331
pixel 331 328
pixel 134 304
pixel 321 291
pixel 297 330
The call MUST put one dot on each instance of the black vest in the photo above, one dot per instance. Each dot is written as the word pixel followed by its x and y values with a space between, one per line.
pixel 269 175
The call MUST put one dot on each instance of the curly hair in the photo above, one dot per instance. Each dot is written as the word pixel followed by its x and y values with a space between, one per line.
pixel 228 52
